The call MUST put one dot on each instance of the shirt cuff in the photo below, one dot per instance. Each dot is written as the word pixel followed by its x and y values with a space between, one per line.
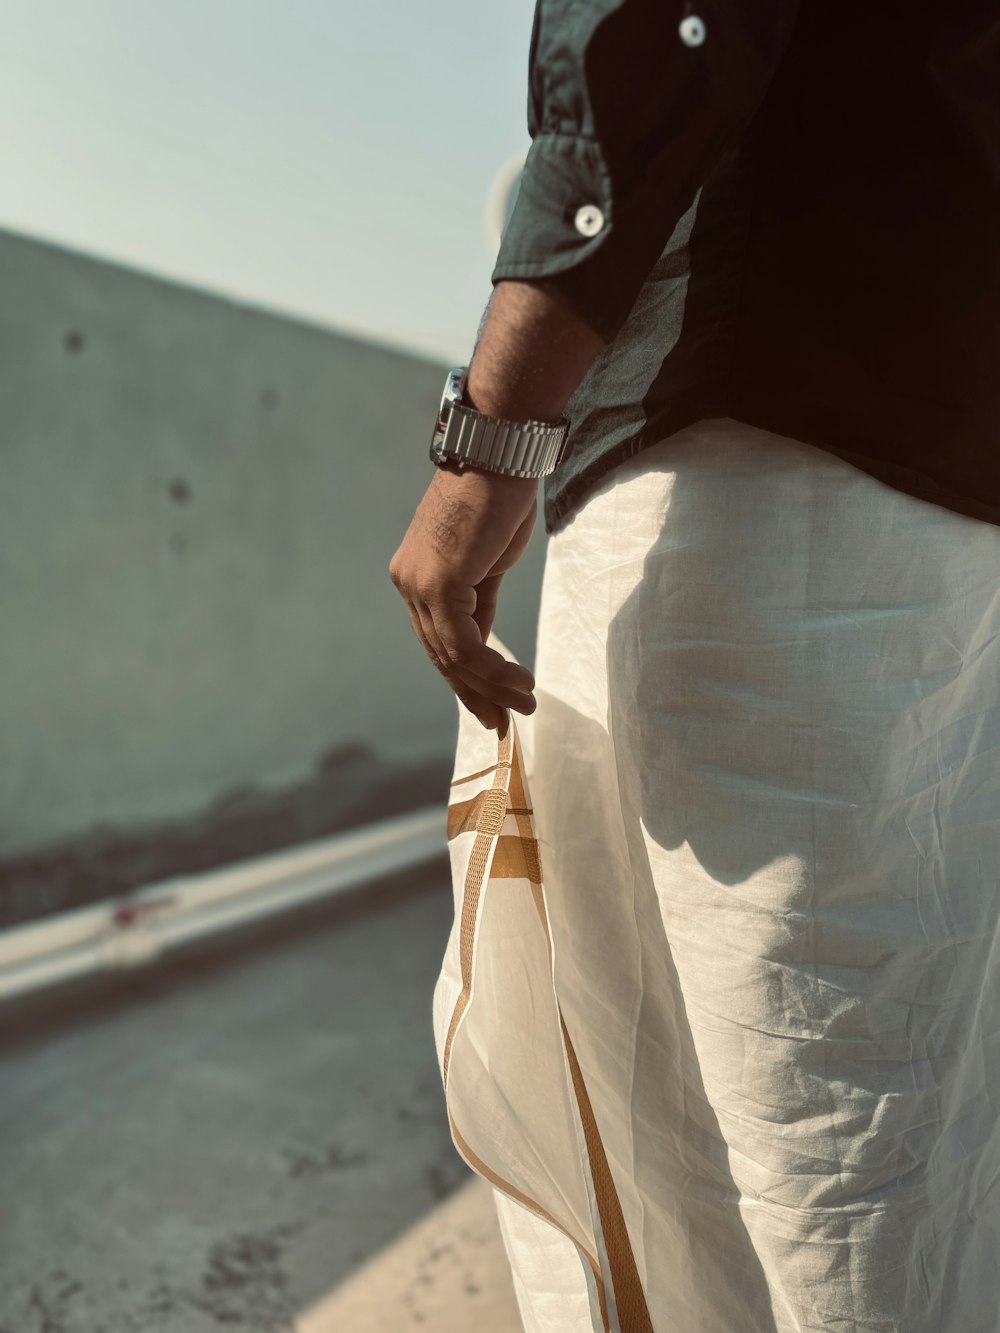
pixel 567 227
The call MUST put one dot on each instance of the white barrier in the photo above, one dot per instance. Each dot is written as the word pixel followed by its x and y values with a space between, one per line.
pixel 137 927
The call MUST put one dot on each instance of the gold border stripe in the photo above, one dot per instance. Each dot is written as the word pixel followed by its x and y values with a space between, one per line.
pixel 630 1300
pixel 515 858
pixel 519 858
pixel 488 825
pixel 489 821
pixel 477 1163
pixel 469 776
pixel 463 815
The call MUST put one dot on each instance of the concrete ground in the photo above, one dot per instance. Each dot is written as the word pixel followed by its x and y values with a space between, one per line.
pixel 252 1138
pixel 448 1272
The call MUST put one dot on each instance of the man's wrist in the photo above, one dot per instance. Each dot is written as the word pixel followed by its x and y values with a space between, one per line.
pixel 460 468
pixel 532 352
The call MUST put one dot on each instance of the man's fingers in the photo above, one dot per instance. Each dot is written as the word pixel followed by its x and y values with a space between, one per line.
pixel 487 689
pixel 452 625
pixel 507 683
pixel 480 705
pixel 487 592
pixel 462 643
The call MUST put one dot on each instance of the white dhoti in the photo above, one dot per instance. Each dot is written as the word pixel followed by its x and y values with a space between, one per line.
pixel 719 1017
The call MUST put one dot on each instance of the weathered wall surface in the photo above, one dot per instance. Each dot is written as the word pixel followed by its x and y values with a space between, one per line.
pixel 200 501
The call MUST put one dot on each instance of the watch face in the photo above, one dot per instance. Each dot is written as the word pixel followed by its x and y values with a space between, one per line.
pixel 453 387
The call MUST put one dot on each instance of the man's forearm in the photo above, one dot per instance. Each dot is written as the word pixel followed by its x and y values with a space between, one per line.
pixel 533 351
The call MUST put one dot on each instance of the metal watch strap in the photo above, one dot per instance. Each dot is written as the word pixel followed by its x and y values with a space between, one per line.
pixel 518 448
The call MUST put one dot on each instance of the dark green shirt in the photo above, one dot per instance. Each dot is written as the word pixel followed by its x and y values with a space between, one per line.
pixel 782 211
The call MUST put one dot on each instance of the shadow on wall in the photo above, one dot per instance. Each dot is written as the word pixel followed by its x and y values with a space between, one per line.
pixel 351 786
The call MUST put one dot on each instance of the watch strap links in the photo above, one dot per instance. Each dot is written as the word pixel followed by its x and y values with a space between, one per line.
pixel 518 448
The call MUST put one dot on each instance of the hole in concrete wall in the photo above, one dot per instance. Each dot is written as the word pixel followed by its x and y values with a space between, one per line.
pixel 179 490
pixel 73 340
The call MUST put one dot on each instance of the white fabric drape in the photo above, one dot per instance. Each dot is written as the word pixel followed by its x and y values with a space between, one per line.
pixel 719 1016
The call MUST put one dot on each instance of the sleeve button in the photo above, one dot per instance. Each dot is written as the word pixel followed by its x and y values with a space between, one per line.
pixel 692 30
pixel 589 220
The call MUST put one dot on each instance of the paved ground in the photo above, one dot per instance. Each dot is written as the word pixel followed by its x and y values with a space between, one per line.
pixel 253 1140
pixel 447 1274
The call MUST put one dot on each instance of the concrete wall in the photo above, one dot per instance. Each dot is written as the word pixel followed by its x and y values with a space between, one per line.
pixel 199 502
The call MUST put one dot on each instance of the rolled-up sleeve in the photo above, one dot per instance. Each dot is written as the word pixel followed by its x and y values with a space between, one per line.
pixel 630 105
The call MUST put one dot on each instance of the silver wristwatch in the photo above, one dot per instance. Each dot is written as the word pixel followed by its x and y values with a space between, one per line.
pixel 517 448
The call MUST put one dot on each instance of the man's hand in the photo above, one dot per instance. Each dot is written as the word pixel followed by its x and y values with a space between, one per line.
pixel 468 530
pixel 471 526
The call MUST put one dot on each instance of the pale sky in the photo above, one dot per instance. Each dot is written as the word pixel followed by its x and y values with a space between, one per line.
pixel 318 158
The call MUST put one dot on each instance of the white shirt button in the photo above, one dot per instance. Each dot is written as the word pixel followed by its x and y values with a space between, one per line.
pixel 692 30
pixel 589 220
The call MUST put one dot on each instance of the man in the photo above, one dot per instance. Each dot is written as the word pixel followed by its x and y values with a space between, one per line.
pixel 622 111
pixel 755 257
